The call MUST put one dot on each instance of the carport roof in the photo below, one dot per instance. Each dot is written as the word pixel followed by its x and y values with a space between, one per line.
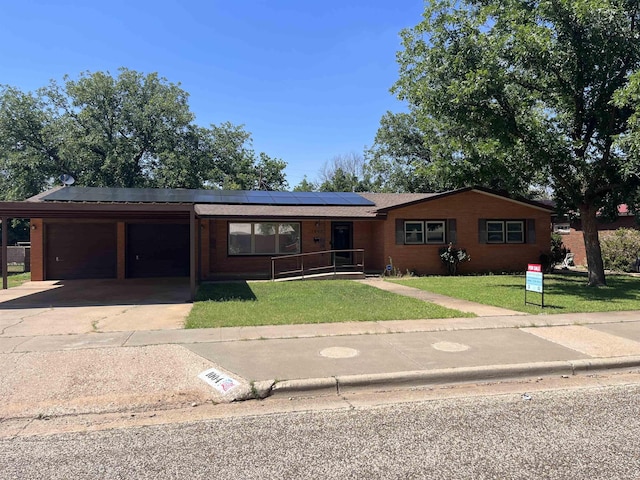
pixel 96 210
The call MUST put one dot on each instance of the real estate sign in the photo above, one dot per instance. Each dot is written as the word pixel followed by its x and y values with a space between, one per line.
pixel 534 281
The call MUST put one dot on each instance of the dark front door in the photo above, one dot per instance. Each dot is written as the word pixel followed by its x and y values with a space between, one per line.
pixel 342 239
pixel 157 250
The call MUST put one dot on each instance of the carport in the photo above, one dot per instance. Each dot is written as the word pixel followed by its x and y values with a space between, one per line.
pixel 127 240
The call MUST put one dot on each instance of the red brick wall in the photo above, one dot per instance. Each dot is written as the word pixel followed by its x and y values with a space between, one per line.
pixel 37 249
pixel 377 238
pixel 315 237
pixel 467 208
pixel 574 240
pixel 205 252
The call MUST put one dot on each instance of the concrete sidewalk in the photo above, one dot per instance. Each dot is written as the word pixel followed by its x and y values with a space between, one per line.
pixel 134 370
pixel 139 370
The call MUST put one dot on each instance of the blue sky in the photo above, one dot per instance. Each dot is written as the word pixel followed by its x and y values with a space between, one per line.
pixel 309 80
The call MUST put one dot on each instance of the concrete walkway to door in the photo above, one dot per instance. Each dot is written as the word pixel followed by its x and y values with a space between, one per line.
pixel 87 306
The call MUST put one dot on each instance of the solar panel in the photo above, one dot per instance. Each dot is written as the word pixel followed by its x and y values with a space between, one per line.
pixel 236 197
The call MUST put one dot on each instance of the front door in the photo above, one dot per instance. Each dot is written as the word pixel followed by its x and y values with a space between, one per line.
pixel 342 239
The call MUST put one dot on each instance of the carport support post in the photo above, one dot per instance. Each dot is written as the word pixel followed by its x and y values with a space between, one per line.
pixel 5 227
pixel 192 252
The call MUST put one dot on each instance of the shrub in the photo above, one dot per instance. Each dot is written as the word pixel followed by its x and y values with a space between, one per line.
pixel 621 249
pixel 558 250
pixel 556 254
pixel 451 257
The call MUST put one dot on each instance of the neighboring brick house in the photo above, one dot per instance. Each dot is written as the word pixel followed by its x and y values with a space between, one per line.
pixel 572 236
pixel 79 232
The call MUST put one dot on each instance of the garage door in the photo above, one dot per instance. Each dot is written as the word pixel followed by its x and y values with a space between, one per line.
pixel 157 250
pixel 80 250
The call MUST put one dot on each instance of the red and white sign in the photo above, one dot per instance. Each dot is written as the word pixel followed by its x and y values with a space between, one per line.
pixel 534 267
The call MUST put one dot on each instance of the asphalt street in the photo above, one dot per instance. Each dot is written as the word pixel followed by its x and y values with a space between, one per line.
pixel 587 433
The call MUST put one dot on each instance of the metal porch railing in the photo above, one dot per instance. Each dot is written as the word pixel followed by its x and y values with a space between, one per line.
pixel 323 262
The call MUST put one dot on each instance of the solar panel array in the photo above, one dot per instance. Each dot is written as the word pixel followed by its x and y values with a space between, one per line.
pixel 234 197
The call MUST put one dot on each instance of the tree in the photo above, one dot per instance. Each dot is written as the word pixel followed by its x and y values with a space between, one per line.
pixel 305 186
pixel 345 173
pixel 233 165
pixel 400 160
pixel 133 130
pixel 522 91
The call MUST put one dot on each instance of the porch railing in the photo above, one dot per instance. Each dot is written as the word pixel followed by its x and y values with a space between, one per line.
pixel 325 261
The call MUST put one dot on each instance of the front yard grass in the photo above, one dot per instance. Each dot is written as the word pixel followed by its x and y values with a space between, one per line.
pixel 562 293
pixel 17 279
pixel 234 304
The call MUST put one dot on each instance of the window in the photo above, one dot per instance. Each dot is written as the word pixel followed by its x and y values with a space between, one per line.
pixel 413 232
pixel 263 238
pixel 421 232
pixel 435 232
pixel 562 228
pixel 495 232
pixel 515 232
pixel 505 231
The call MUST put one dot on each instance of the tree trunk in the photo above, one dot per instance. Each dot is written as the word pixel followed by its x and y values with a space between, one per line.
pixel 588 217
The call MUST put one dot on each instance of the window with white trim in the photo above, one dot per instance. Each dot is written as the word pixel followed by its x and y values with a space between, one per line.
pixel 515 231
pixel 413 232
pixel 262 238
pixel 505 231
pixel 562 228
pixel 495 232
pixel 435 231
pixel 419 232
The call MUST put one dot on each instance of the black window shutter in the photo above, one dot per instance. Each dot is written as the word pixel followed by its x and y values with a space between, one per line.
pixel 482 230
pixel 531 230
pixel 399 231
pixel 452 234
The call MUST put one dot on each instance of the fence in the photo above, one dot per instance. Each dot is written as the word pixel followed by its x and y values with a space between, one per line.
pixel 18 258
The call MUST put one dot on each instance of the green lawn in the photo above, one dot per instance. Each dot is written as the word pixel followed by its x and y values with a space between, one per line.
pixel 563 293
pixel 232 304
pixel 17 279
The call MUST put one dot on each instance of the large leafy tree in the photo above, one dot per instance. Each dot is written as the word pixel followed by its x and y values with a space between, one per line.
pixel 235 165
pixel 400 158
pixel 523 90
pixel 132 130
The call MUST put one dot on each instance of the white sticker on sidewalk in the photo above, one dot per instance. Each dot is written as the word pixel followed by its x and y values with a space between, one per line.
pixel 218 380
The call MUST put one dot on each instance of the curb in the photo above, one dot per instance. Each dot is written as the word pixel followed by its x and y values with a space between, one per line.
pixel 421 378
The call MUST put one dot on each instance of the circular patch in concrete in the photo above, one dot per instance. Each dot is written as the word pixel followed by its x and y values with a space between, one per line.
pixel 450 347
pixel 339 352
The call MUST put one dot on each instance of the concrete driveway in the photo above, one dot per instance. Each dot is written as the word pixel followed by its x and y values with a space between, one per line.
pixel 85 306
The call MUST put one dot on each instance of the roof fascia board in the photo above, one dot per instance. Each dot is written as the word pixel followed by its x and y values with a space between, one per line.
pixel 290 218
pixel 35 209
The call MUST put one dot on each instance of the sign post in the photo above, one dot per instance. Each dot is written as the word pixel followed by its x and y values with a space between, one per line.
pixel 534 282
